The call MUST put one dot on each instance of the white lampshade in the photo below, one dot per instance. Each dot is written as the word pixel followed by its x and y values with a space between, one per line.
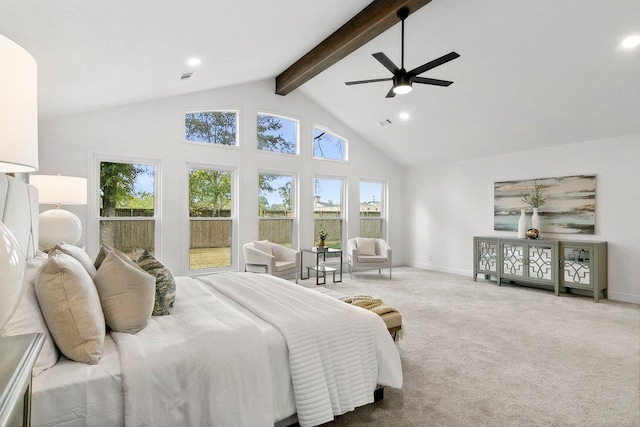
pixel 18 153
pixel 18 109
pixel 60 190
pixel 58 225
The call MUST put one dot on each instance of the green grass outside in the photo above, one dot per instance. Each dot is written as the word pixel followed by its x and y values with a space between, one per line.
pixel 202 258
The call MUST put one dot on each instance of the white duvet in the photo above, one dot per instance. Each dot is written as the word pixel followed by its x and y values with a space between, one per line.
pixel 218 372
pixel 338 353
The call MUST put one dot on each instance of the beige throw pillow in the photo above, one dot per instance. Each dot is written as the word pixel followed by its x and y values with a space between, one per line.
pixel 77 253
pixel 126 294
pixel 106 250
pixel 71 307
pixel 263 245
pixel 366 245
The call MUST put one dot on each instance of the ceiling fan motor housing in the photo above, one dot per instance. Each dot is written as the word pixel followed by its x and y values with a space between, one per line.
pixel 402 80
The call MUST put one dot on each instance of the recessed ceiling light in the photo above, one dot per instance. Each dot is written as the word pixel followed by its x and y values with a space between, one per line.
pixel 631 41
pixel 194 61
pixel 404 116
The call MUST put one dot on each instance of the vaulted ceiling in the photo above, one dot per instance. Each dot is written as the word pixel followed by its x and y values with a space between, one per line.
pixel 530 74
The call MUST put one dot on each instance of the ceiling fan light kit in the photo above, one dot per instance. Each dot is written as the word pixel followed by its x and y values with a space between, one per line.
pixel 401 84
pixel 402 79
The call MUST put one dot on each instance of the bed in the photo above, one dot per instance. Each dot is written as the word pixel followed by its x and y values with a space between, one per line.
pixel 237 349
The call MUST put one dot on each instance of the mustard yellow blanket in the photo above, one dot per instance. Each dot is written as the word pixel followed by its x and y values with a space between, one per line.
pixel 373 304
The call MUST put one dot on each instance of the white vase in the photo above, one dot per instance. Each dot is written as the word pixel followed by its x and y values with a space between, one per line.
pixel 535 220
pixel 522 225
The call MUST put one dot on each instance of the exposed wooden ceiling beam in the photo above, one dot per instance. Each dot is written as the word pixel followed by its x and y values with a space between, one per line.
pixel 373 20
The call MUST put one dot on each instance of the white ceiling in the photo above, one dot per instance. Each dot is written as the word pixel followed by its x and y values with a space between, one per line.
pixel 531 73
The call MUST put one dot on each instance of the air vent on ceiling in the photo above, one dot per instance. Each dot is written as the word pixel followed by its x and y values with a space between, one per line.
pixel 385 122
pixel 186 75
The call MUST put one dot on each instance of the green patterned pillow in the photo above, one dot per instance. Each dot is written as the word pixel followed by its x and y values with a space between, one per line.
pixel 165 283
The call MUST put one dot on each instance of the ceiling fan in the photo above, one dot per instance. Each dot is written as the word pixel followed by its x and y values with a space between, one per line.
pixel 403 79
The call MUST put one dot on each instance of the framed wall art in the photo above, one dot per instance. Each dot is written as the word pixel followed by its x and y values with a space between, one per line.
pixel 568 203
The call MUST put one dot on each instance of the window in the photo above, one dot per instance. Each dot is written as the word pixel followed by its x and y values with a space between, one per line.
pixel 327 145
pixel 371 209
pixel 128 205
pixel 275 208
pixel 212 127
pixel 327 210
pixel 278 134
pixel 210 218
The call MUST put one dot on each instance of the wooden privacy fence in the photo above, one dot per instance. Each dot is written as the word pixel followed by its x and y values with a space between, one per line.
pixel 129 234
pixel 210 233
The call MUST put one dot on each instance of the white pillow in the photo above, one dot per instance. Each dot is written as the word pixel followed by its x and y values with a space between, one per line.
pixel 28 318
pixel 71 307
pixel 263 245
pixel 126 294
pixel 366 245
pixel 77 253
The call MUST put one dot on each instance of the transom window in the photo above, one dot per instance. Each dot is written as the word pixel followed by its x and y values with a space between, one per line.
pixel 328 145
pixel 371 208
pixel 278 134
pixel 212 127
pixel 327 210
pixel 128 208
pixel 210 218
pixel 276 208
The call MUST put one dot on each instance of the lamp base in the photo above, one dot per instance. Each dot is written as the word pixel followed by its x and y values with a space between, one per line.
pixel 12 266
pixel 58 226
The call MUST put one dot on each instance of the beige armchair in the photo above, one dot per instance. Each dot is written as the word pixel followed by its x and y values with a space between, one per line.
pixel 263 256
pixel 368 253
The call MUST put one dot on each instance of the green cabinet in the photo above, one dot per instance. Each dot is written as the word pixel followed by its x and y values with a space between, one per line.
pixel 529 261
pixel 485 255
pixel 584 266
pixel 560 264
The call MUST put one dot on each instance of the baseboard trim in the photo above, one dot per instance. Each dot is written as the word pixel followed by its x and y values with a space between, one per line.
pixel 613 296
pixel 619 296
pixel 432 267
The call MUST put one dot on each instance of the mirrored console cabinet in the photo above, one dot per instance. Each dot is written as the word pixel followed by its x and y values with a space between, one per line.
pixel 559 264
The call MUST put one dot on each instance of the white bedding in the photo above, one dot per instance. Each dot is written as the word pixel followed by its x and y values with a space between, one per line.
pixel 78 394
pixel 217 355
pixel 337 352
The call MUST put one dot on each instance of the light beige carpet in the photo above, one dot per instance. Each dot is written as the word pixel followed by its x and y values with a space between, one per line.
pixel 475 354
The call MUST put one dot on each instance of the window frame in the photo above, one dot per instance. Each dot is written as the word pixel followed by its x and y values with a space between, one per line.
pixel 233 218
pixel 208 144
pixel 383 206
pixel 343 208
pixel 280 116
pixel 335 135
pixel 294 203
pixel 93 201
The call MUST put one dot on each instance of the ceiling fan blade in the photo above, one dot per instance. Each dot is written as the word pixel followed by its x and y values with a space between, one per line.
pixel 368 81
pixel 432 64
pixel 428 81
pixel 384 60
pixel 391 93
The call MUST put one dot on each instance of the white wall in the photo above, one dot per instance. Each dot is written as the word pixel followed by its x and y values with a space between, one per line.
pixel 155 130
pixel 449 204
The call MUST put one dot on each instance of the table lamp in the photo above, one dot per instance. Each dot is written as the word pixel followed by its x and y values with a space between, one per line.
pixel 58 225
pixel 18 153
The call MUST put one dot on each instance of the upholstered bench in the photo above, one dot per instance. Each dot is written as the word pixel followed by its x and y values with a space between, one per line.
pixel 393 320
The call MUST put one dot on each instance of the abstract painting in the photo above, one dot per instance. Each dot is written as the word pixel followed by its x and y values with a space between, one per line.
pixel 570 205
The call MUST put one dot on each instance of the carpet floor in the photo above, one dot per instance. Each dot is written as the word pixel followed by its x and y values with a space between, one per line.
pixel 478 354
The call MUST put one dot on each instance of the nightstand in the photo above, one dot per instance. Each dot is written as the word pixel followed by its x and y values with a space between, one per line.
pixel 18 354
